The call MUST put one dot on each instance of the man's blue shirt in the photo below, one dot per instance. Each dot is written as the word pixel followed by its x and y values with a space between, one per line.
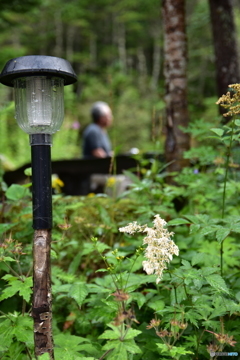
pixel 95 137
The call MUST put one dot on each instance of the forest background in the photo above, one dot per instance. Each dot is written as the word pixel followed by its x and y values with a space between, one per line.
pixel 104 305
pixel 116 49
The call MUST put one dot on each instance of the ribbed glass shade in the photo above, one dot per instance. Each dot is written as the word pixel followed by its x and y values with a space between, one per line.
pixel 39 104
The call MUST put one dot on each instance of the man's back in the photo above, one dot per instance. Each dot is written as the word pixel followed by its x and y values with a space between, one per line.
pixel 94 137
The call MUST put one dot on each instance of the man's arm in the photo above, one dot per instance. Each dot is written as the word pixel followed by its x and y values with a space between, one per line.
pixel 99 153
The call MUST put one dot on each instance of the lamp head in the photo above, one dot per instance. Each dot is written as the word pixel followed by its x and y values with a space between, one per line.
pixel 38 83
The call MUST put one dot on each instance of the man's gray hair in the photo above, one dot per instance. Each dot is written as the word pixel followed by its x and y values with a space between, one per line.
pixel 99 109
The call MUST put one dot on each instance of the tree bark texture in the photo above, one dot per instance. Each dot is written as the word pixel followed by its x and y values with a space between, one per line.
pixel 175 65
pixel 42 299
pixel 225 47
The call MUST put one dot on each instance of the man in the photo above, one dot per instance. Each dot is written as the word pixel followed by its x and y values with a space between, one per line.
pixel 96 142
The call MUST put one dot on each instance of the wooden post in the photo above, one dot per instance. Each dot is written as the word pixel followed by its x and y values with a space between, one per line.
pixel 42 298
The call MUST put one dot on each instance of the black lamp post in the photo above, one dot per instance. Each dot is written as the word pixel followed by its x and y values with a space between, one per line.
pixel 38 83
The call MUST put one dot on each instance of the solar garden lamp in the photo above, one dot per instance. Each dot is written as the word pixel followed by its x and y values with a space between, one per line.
pixel 38 83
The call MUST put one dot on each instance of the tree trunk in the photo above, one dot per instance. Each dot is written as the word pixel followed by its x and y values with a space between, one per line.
pixel 142 69
pixel 122 45
pixel 156 58
pixel 59 33
pixel 175 57
pixel 42 300
pixel 225 47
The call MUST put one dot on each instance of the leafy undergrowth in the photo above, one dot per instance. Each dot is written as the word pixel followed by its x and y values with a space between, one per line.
pixel 104 305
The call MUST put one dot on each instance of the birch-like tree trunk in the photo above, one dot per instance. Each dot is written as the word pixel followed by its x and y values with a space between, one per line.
pixel 175 58
pixel 225 46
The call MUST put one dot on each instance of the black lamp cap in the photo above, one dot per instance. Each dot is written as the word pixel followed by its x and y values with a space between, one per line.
pixel 37 65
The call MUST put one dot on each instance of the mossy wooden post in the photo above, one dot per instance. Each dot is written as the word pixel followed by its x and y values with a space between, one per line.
pixel 42 299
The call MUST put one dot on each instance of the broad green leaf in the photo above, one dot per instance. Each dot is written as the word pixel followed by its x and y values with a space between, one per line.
pixel 208 230
pixel 69 342
pixel 178 222
pixel 221 234
pixel 194 228
pixel 186 264
pixel 78 291
pixel 199 258
pixel 23 329
pixel 16 192
pixel 179 350
pixel 131 346
pixel 217 282
pixel 26 288
pixel 193 219
pixel 15 285
pixel 110 334
pixel 8 258
pixel 139 298
pixel 218 131
pixel 132 333
pixel 155 304
pixel 6 334
pixel 207 270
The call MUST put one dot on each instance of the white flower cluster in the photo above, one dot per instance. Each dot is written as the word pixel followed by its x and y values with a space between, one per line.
pixel 160 246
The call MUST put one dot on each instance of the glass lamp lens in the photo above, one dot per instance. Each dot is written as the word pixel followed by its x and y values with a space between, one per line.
pixel 39 104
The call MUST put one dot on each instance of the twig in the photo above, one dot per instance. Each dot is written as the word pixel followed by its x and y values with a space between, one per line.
pixel 106 353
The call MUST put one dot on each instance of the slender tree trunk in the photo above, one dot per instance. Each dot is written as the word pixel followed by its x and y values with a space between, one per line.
pixel 70 43
pixel 59 33
pixel 93 51
pixel 122 45
pixel 142 69
pixel 156 58
pixel 175 51
pixel 42 300
pixel 225 46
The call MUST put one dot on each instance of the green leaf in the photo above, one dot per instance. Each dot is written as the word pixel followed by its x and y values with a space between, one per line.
pixel 78 291
pixel 131 346
pixel 26 288
pixel 155 304
pixel 132 333
pixel 23 330
pixel 119 351
pixel 218 131
pixel 110 334
pixel 16 192
pixel 7 258
pixel 178 222
pixel 221 234
pixel 28 171
pixel 199 258
pixel 139 298
pixel 217 282
pixel 69 342
pixel 193 219
pixel 15 285
pixel 208 230
pixel 45 356
pixel 6 331
pixel 6 227
pixel 194 228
